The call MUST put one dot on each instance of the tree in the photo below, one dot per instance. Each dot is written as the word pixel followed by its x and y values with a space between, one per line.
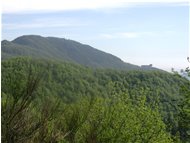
pixel 18 124
pixel 119 120
pixel 22 114
pixel 184 116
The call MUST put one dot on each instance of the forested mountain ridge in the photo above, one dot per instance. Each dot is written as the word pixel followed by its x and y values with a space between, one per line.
pixel 72 83
pixel 58 90
pixel 63 50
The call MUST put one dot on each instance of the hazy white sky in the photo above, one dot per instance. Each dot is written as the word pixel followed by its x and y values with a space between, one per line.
pixel 137 32
pixel 33 5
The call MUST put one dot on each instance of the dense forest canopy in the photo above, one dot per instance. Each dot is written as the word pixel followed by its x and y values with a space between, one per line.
pixel 56 101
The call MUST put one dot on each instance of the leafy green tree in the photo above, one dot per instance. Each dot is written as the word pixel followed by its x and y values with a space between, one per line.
pixel 23 116
pixel 19 123
pixel 184 116
pixel 118 120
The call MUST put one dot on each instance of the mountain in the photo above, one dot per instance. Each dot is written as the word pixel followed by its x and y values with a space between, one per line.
pixel 63 50
pixel 72 82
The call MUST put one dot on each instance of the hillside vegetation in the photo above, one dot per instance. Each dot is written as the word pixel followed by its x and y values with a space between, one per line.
pixel 63 50
pixel 56 101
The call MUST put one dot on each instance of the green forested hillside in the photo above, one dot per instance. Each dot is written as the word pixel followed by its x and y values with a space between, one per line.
pixel 63 50
pixel 65 102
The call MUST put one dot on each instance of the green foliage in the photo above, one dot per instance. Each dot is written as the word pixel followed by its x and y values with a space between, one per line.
pixel 16 101
pixel 184 115
pixel 118 120
pixel 79 104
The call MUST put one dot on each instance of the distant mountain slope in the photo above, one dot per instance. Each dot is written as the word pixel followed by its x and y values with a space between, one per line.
pixel 62 49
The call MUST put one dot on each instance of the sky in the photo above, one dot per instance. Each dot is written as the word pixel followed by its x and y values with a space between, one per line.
pixel 138 32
